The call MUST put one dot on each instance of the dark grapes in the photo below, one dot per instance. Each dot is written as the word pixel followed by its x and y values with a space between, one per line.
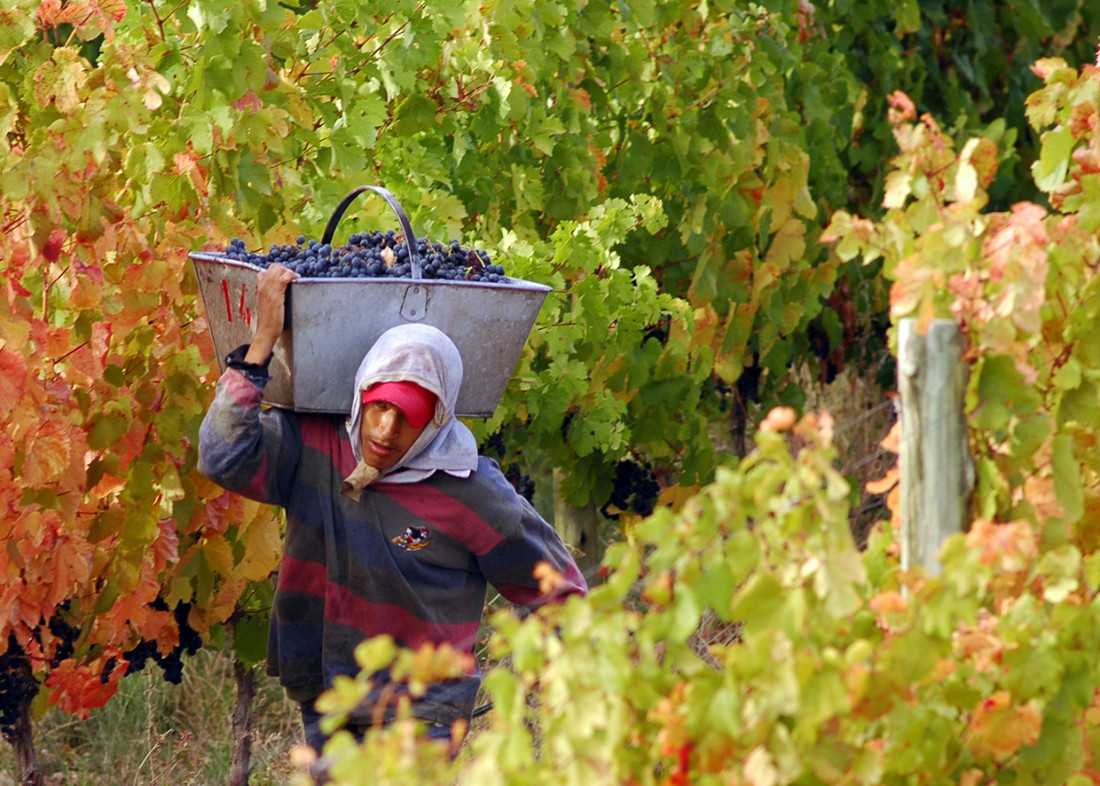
pixel 17 686
pixel 635 490
pixel 520 481
pixel 494 443
pixel 171 664
pixel 374 254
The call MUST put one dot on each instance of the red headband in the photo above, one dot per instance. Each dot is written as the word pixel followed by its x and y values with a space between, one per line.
pixel 417 403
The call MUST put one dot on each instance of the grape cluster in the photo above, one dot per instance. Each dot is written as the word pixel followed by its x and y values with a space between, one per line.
pixel 17 686
pixel 374 254
pixel 521 482
pixel 65 636
pixel 494 443
pixel 172 664
pixel 635 489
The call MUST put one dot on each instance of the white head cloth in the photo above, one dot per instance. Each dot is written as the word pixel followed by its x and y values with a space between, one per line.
pixel 425 355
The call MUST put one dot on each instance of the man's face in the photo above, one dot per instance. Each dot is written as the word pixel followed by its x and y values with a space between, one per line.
pixel 386 434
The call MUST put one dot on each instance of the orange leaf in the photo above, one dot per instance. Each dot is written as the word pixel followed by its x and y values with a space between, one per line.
pixel 72 558
pixel 889 601
pixel 549 577
pixel 13 379
pixel 86 293
pixel 47 454
pixel 779 419
pixel 885 483
pixel 50 13
pixel 892 441
pixel 1012 544
pixel 77 689
pixel 999 729
pixel 108 484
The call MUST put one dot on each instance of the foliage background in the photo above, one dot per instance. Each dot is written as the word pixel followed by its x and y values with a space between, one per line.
pixel 669 168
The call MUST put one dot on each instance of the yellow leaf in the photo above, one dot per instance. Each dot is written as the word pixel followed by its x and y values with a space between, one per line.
pixel 219 555
pixel 966 183
pixel 788 245
pixel 780 198
pixel 674 497
pixel 759 768
pixel 221 606
pixel 262 546
pixel 898 188
pixel 706 323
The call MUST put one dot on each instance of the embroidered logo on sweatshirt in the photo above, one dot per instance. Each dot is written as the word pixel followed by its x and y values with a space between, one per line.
pixel 413 538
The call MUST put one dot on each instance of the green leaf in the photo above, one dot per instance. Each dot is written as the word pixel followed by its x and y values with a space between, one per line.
pixel 1067 478
pixel 414 115
pixel 250 639
pixel 1053 164
pixel 1079 405
pixel 907 16
pixel 761 603
pixel 1059 569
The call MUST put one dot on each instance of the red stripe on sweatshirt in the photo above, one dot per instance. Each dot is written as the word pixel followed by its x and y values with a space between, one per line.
pixel 245 394
pixel 318 434
pixel 375 619
pixel 344 607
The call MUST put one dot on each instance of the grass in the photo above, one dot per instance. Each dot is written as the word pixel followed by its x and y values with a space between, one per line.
pixel 153 733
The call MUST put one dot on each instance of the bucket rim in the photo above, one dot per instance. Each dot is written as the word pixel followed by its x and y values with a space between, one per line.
pixel 507 283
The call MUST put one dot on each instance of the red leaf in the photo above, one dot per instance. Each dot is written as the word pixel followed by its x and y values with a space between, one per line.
pixel 167 546
pixel 52 249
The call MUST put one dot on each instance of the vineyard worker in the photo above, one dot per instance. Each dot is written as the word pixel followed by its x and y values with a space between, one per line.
pixel 394 523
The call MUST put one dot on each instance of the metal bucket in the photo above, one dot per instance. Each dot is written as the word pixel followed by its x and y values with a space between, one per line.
pixel 332 322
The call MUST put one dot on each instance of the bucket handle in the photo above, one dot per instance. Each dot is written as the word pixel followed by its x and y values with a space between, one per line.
pixel 402 219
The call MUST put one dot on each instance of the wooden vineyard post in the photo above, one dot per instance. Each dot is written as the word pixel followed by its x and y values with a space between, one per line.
pixel 937 471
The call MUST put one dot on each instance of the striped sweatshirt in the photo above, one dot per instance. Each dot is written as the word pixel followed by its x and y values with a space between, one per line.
pixel 411 560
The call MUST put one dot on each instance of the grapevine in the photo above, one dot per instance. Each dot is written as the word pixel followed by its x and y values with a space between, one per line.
pixel 374 254
pixel 18 685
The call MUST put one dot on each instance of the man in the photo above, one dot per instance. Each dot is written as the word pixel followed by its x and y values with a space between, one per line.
pixel 395 524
